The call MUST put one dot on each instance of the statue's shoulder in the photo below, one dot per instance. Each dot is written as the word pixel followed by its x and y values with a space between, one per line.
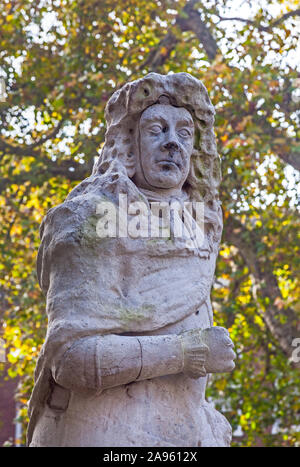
pixel 79 206
pixel 69 228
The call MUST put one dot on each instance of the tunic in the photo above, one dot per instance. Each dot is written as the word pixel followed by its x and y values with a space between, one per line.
pixel 130 287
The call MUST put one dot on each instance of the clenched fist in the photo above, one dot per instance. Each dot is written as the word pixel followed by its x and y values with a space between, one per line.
pixel 207 350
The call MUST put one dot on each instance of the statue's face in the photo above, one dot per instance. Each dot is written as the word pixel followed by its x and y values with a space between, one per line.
pixel 166 145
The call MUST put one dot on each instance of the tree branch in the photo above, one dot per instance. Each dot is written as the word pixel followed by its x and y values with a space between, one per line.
pixel 292 158
pixel 187 20
pixel 259 26
pixel 191 21
pixel 158 55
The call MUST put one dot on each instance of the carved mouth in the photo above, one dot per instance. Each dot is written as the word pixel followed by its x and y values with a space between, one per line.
pixel 168 162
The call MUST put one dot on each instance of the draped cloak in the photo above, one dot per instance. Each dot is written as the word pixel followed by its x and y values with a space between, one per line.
pixel 99 286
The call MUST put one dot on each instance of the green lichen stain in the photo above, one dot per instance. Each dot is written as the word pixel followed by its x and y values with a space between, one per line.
pixel 88 232
pixel 135 315
pixel 160 241
pixel 153 241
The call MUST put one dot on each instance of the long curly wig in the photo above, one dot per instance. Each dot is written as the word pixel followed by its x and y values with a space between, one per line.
pixel 122 113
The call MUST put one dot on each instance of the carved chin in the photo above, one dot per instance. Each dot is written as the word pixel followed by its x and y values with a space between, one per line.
pixel 165 175
pixel 164 180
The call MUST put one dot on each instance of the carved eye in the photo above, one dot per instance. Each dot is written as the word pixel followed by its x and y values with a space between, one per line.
pixel 155 129
pixel 184 133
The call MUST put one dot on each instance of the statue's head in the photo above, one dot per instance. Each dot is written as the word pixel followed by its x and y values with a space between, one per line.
pixel 166 141
pixel 160 136
pixel 160 130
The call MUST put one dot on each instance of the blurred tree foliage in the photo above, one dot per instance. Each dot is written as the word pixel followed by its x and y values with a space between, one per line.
pixel 61 61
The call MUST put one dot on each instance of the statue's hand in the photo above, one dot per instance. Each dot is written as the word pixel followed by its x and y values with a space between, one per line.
pixel 207 350
pixel 220 357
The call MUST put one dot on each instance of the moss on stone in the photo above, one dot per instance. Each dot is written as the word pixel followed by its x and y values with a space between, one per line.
pixel 131 315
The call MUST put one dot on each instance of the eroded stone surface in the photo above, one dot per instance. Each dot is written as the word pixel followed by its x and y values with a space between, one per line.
pixel 130 338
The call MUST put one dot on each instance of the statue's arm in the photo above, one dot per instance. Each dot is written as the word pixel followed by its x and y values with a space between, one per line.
pixel 100 362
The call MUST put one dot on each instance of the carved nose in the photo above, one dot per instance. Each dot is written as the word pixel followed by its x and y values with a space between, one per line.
pixel 171 146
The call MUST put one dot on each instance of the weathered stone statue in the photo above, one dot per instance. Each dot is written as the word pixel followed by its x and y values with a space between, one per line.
pixel 130 336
